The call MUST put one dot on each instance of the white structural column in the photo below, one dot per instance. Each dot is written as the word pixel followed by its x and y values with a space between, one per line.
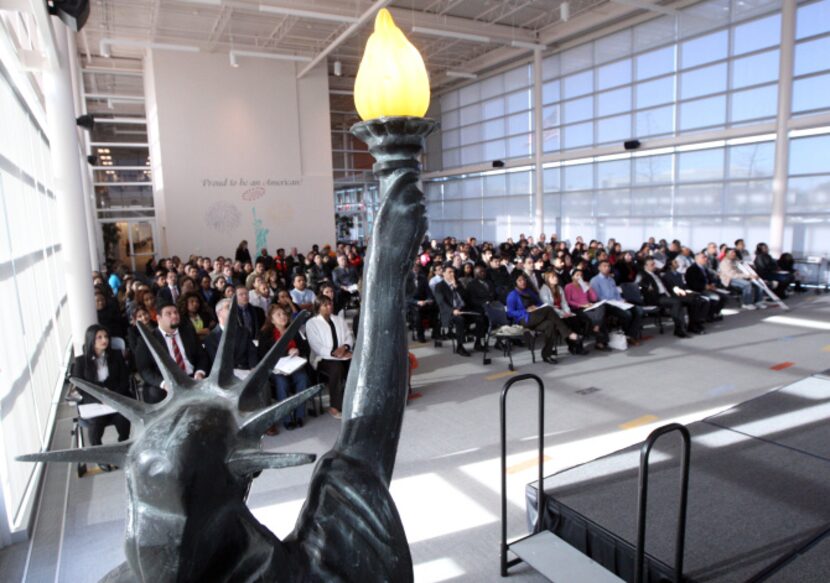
pixel 69 189
pixel 782 145
pixel 80 109
pixel 538 146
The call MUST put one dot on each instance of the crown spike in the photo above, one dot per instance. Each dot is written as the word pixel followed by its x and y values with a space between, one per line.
pixel 222 372
pixel 246 462
pixel 172 374
pixel 250 388
pixel 134 410
pixel 258 422
pixel 101 454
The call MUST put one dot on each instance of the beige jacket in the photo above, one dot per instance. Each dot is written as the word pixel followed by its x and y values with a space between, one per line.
pixel 727 271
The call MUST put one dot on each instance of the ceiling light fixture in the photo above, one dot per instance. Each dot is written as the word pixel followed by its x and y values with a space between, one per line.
pixel 520 44
pixel 338 69
pixel 273 56
pixel 310 14
pixel 462 75
pixel 106 44
pixel 452 34
pixel 234 62
pixel 564 11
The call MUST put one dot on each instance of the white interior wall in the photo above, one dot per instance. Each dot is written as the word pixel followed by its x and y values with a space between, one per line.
pixel 238 153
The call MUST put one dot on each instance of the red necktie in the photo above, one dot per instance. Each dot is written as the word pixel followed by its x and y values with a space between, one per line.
pixel 177 354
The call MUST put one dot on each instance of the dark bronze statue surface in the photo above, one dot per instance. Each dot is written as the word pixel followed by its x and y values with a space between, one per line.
pixel 191 464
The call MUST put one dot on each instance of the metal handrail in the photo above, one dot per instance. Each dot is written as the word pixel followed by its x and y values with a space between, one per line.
pixel 642 501
pixel 541 496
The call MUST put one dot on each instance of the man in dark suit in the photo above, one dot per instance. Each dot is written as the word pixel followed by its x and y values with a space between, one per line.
pixel 244 351
pixel 250 317
pixel 702 281
pixel 695 305
pixel 498 275
pixel 420 303
pixel 456 313
pixel 656 293
pixel 182 345
pixel 480 290
pixel 170 292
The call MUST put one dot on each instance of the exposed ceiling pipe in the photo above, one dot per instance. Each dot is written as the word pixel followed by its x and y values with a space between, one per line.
pixel 365 17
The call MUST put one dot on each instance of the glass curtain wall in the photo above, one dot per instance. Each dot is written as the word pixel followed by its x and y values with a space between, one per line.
pixel 35 324
pixel 712 68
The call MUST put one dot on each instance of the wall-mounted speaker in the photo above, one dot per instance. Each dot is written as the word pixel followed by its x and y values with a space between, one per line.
pixel 73 13
pixel 86 121
pixel 498 164
pixel 631 144
pixel 93 160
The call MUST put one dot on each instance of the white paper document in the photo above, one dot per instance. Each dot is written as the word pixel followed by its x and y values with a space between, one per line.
pixel 596 305
pixel 92 410
pixel 289 364
pixel 619 304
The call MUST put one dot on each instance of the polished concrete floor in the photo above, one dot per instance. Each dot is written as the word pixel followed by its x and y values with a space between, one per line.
pixel 446 481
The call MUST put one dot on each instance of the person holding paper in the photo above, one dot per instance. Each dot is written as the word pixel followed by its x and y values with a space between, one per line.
pixel 582 300
pixel 244 351
pixel 656 293
pixel 525 308
pixel 276 323
pixel 101 365
pixel 331 344
pixel 631 316
pixel 456 315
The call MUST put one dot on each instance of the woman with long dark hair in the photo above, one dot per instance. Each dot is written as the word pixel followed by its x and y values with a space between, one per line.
pixel 101 365
pixel 276 324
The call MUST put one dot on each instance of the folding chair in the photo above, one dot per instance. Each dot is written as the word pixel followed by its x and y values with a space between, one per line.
pixel 631 293
pixel 498 328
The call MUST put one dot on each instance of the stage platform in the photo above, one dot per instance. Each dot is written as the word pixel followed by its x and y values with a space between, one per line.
pixel 759 496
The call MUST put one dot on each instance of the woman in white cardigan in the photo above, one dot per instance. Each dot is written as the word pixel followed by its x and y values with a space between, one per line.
pixel 331 344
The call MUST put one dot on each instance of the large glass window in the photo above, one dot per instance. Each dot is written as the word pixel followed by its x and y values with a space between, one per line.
pixel 811 87
pixel 489 119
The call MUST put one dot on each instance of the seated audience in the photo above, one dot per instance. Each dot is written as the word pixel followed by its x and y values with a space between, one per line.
pixel 109 316
pixel 524 307
pixel 767 269
pixel 331 343
pixel 250 317
pixel 420 304
pixel 696 305
pixel 300 294
pixel 656 293
pixel 101 365
pixel 606 289
pixel 701 280
pixel 139 315
pixel 192 309
pixel 582 300
pixel 344 277
pixel 456 316
pixel 752 297
pixel 183 347
pixel 170 292
pixel 277 321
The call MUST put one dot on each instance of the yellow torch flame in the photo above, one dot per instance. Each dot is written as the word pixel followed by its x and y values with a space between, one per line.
pixel 392 78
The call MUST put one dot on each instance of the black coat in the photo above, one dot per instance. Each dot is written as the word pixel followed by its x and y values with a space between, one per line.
pixel 650 291
pixel 194 352
pixel 111 319
pixel 480 292
pixel 244 351
pixel 443 296
pixel 118 380
pixel 419 287
pixel 697 277
pixel 257 319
